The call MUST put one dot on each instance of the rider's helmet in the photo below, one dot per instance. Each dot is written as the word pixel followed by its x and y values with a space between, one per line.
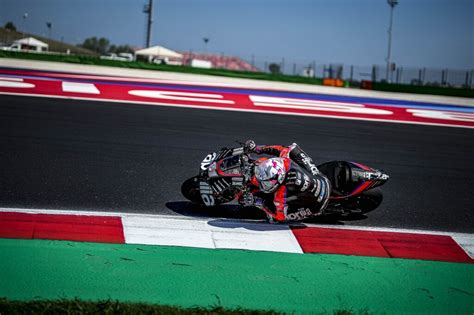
pixel 270 174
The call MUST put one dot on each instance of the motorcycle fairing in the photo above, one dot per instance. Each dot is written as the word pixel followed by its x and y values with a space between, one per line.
pixel 350 179
pixel 223 177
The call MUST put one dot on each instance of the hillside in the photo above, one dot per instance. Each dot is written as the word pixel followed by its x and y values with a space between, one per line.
pixel 7 37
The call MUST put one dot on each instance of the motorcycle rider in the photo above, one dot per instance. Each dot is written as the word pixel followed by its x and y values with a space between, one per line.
pixel 284 186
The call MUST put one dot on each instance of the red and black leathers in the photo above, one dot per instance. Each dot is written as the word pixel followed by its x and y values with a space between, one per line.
pixel 304 193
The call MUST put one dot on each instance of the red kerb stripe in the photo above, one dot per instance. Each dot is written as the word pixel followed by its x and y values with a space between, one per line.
pixel 101 229
pixel 380 244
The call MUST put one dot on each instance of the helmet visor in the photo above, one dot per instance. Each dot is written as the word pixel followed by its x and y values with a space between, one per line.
pixel 268 185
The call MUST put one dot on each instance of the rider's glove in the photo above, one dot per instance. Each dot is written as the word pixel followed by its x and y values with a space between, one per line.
pixel 250 146
pixel 247 200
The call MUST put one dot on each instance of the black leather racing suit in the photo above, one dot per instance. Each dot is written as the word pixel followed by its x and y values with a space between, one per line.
pixel 304 193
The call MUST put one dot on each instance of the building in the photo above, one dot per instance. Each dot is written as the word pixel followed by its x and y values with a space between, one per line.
pixel 29 43
pixel 159 54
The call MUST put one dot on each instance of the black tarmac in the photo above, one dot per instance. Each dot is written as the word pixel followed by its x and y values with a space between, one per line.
pixel 84 155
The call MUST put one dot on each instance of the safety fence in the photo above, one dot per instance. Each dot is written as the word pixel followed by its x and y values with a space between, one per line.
pixel 376 73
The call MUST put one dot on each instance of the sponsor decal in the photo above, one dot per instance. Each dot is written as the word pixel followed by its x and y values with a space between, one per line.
pixel 300 214
pixel 317 105
pixel 308 161
pixel 306 183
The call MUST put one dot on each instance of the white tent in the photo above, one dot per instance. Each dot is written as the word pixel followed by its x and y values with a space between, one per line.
pixel 30 43
pixel 158 52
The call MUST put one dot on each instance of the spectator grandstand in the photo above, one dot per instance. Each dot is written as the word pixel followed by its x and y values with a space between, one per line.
pixel 219 61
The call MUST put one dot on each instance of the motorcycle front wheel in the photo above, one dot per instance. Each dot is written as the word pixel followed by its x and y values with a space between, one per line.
pixel 190 190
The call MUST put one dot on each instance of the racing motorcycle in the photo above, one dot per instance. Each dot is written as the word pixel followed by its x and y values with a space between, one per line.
pixel 226 173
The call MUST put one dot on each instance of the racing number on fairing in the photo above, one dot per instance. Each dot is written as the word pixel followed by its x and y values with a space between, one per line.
pixel 207 161
pixel 206 194
pixel 206 191
pixel 208 200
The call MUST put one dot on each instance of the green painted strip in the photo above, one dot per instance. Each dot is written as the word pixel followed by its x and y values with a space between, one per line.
pixel 189 277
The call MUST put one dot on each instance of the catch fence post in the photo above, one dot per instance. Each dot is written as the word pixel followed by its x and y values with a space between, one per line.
pixel 471 79
pixel 374 73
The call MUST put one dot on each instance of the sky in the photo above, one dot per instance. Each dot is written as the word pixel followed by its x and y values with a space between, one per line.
pixel 426 33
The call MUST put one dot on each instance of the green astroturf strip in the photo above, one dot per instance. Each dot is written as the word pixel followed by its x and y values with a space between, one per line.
pixel 192 277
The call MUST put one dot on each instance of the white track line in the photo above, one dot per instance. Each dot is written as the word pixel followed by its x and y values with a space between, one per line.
pixel 79 87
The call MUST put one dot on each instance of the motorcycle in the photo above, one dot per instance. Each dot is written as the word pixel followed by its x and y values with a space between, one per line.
pixel 226 173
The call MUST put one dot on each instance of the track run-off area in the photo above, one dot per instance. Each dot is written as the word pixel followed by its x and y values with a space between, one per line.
pixel 97 158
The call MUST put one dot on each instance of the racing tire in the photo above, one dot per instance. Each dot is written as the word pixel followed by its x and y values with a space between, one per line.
pixel 370 200
pixel 190 190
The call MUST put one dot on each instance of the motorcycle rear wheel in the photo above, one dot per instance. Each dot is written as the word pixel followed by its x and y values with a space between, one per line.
pixel 365 202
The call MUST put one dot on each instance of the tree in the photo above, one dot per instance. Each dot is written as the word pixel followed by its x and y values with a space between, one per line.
pixel 120 49
pixel 100 45
pixel 10 26
pixel 274 68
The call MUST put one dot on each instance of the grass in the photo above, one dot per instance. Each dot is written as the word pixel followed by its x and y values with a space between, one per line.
pixel 91 60
pixel 79 307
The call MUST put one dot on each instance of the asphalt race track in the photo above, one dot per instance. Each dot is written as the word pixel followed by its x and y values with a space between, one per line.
pixel 87 155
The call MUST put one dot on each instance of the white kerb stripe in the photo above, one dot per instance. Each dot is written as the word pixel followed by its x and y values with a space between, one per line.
pixel 14 83
pixel 205 233
pixel 466 242
pixel 78 87
pixel 11 79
